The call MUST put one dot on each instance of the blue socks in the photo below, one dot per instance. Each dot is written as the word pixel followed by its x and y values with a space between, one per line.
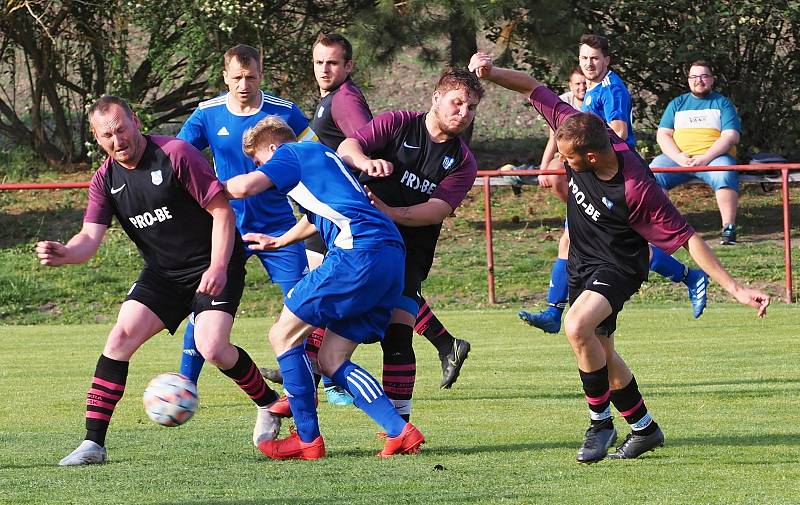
pixel 369 397
pixel 298 382
pixel 191 359
pixel 666 266
pixel 559 287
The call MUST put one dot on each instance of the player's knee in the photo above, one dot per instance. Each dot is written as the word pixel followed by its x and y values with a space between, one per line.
pixel 211 351
pixel 578 329
pixel 121 343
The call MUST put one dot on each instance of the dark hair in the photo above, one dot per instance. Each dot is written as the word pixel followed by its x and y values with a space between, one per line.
pixel 105 102
pixel 596 42
pixel 270 130
pixel 455 78
pixel 576 70
pixel 334 39
pixel 700 63
pixel 585 132
pixel 244 54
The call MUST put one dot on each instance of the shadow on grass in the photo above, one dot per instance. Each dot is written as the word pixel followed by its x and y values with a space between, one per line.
pixel 31 226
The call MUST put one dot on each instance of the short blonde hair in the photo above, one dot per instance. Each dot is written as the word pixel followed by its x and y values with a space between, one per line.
pixel 270 130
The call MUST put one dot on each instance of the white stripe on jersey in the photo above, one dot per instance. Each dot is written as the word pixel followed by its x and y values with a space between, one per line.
pixel 274 100
pixel 310 202
pixel 366 385
pixel 220 100
pixel 703 118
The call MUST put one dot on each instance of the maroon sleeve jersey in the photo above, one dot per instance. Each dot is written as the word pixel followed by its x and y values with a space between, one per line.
pixel 161 206
pixel 611 221
pixel 423 169
pixel 340 113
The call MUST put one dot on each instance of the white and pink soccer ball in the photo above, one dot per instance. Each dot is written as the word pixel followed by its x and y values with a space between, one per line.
pixel 170 399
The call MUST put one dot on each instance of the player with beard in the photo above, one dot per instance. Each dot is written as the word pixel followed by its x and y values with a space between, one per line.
pixel 417 170
pixel 615 207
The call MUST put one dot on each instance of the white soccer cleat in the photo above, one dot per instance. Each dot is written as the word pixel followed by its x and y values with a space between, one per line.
pixel 268 425
pixel 88 453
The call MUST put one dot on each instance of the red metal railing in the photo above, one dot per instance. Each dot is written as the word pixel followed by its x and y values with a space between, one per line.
pixel 782 167
pixel 487 206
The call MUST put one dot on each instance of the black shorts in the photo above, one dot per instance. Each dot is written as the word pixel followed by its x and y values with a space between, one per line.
pixel 418 265
pixel 173 301
pixel 615 287
pixel 314 243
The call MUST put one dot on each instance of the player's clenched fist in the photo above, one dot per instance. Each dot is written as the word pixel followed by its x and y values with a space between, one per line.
pixel 481 64
pixel 51 253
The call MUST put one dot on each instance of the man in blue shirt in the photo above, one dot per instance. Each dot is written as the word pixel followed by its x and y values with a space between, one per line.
pixel 352 293
pixel 608 98
pixel 219 124
pixel 702 128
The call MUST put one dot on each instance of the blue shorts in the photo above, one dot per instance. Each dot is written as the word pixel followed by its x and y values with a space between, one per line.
pixel 353 292
pixel 717 180
pixel 286 265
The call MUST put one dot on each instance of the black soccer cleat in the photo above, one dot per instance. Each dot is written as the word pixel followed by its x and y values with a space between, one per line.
pixel 635 445
pixel 452 363
pixel 596 442
pixel 272 374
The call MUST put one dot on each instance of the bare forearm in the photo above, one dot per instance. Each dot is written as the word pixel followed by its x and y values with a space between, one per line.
pixel 351 153
pixel 80 249
pixel 223 233
pixel 300 231
pixel 620 128
pixel 667 144
pixel 721 146
pixel 708 261
pixel 514 80
pixel 550 151
pixel 424 214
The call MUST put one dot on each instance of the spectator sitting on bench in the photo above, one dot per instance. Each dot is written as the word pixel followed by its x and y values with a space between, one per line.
pixel 701 128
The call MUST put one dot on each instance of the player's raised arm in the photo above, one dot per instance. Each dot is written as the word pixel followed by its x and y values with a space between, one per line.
pixel 708 261
pixel 482 65
pixel 351 153
pixel 80 248
pixel 246 185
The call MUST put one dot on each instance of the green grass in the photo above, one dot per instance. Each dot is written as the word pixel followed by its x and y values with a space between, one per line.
pixel 724 389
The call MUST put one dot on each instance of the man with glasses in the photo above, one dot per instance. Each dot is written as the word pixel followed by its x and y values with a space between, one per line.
pixel 702 128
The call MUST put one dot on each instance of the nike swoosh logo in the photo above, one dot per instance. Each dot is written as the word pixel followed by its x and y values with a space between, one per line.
pixel 405 144
pixel 114 191
pixel 598 283
pixel 214 302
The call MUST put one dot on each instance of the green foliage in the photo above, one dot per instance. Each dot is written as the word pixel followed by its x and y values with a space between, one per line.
pixel 724 389
pixel 752 44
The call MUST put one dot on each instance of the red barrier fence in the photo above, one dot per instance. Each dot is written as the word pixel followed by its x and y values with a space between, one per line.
pixel 783 168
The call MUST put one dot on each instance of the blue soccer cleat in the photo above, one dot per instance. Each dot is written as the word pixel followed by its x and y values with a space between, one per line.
pixel 548 320
pixel 338 396
pixel 697 284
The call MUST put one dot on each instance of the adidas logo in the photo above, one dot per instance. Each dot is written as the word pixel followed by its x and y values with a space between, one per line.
pixel 223 131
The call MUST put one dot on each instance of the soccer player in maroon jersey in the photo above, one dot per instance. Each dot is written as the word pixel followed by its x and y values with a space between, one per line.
pixel 615 207
pixel 418 171
pixel 171 205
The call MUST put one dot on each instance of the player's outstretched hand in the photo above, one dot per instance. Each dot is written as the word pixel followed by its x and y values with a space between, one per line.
pixel 481 64
pixel 261 242
pixel 213 281
pixel 753 298
pixel 377 202
pixel 378 168
pixel 51 253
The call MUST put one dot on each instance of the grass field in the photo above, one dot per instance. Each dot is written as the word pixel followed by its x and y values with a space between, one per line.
pixel 724 388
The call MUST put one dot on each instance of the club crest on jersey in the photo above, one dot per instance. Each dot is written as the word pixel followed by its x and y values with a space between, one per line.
pixel 447 162
pixel 156 177
pixel 608 203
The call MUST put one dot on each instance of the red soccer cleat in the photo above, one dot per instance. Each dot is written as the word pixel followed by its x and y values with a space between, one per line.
pixel 281 407
pixel 292 447
pixel 407 442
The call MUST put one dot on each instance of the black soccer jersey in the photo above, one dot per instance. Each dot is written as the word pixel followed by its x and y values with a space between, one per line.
pixel 340 113
pixel 161 206
pixel 423 169
pixel 611 222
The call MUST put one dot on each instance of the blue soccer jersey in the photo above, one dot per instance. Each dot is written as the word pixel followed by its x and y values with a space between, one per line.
pixel 213 124
pixel 314 177
pixel 611 100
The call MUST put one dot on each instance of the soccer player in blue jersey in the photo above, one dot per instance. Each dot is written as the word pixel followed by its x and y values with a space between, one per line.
pixel 219 124
pixel 352 293
pixel 608 98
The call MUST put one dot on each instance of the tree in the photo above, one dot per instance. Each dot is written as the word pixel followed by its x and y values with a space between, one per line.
pixel 163 56
pixel 752 45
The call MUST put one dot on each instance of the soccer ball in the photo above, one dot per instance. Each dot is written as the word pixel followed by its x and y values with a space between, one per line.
pixel 170 399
